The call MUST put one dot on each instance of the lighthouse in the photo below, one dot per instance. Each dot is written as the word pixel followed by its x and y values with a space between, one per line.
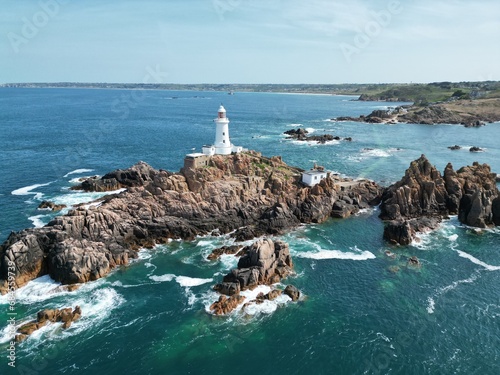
pixel 222 144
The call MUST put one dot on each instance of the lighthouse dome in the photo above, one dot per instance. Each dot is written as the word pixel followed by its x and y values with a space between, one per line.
pixel 222 109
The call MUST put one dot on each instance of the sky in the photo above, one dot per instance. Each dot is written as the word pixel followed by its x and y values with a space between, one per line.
pixel 249 41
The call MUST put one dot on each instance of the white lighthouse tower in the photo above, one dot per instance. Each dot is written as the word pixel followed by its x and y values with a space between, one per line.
pixel 222 145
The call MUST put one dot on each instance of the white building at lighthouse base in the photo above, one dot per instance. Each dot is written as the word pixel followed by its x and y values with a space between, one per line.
pixel 212 150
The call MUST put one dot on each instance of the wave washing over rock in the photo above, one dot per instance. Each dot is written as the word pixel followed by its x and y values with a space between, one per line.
pixel 245 192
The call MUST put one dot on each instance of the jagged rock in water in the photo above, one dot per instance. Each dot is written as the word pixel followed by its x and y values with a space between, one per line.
pixel 420 192
pixel 225 305
pixel 51 206
pixel 67 316
pixel 423 197
pixel 266 262
pixel 216 253
pixel 475 149
pixel 292 292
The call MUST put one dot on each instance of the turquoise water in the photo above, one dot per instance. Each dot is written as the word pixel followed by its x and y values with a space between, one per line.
pixel 362 312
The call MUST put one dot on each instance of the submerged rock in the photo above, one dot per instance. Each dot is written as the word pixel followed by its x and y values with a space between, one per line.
pixel 47 205
pixel 216 253
pixel 475 149
pixel 414 262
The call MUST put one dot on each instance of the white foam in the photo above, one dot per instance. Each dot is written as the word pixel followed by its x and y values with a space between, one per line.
pixel 229 261
pixel 78 171
pixel 27 190
pixel 336 254
pixel 315 143
pixel 36 290
pixel 453 237
pixel 379 153
pixel 37 220
pixel 205 243
pixel 310 130
pixel 431 305
pixel 6 335
pixel 489 267
pixel 431 301
pixel 96 307
pixel 423 241
pixel 74 198
pixel 163 278
pixel 186 281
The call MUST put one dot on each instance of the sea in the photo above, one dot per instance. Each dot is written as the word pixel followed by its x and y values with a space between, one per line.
pixel 360 312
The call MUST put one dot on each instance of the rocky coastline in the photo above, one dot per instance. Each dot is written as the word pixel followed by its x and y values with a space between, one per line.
pixel 247 194
pixel 469 113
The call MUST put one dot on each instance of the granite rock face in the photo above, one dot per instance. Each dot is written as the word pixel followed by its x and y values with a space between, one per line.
pixel 245 192
pixel 423 197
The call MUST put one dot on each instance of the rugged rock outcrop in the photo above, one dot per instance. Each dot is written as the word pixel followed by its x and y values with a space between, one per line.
pixel 475 149
pixel 265 263
pixel 423 197
pixel 47 205
pixel 67 316
pixel 248 192
pixel 232 250
pixel 300 134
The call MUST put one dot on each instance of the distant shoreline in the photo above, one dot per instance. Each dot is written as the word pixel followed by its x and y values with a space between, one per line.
pixel 180 89
pixel 401 92
pixel 229 88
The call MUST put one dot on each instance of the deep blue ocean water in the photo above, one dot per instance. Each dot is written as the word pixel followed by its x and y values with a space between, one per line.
pixel 362 312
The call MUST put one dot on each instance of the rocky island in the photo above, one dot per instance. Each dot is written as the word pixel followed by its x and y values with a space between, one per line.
pixel 301 134
pixel 246 193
